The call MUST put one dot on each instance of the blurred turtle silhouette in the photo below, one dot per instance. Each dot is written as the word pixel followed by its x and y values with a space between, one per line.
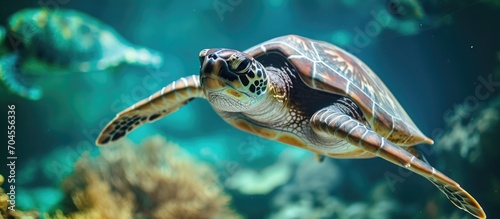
pixel 431 13
pixel 41 41
pixel 406 9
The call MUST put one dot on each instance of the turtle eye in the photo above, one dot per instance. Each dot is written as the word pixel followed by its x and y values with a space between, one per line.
pixel 243 66
pixel 239 63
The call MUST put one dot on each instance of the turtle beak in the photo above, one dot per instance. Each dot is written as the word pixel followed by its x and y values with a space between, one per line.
pixel 202 55
pixel 212 83
pixel 210 71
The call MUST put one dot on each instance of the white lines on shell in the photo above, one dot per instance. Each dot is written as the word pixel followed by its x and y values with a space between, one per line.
pixel 408 138
pixel 314 75
pixel 162 91
pixel 361 90
pixel 331 52
pixel 347 87
pixel 294 56
pixel 298 57
pixel 433 173
pixel 302 56
pixel 303 43
pixel 373 112
pixel 382 145
pixel 345 70
pixel 316 52
pixel 263 48
pixel 393 127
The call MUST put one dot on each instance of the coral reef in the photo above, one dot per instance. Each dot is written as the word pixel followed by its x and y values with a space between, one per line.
pixel 12 213
pixel 153 180
pixel 467 129
pixel 472 133
pixel 320 190
pixel 310 181
pixel 255 181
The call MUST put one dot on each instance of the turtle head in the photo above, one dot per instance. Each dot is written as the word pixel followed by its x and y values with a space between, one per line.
pixel 233 81
pixel 26 24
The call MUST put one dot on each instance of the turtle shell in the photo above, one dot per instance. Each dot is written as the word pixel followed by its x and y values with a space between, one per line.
pixel 66 38
pixel 328 68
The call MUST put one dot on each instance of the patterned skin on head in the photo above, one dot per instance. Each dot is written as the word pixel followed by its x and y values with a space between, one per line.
pixel 233 81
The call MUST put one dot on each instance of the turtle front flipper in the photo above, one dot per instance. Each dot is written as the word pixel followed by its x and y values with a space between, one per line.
pixel 11 76
pixel 331 122
pixel 164 102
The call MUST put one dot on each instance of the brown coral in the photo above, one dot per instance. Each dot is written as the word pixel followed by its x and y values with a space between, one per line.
pixel 152 180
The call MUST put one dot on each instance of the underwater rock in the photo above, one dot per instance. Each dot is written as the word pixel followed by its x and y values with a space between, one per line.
pixel 311 180
pixel 378 206
pixel 467 129
pixel 323 191
pixel 249 181
pixel 152 180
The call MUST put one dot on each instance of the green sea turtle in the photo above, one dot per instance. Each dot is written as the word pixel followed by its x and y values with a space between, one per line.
pixel 301 92
pixel 47 42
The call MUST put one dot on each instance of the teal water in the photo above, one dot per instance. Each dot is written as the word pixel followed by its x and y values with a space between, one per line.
pixel 434 65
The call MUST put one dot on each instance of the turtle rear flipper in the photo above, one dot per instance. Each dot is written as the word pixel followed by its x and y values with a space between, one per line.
pixel 11 76
pixel 334 123
pixel 459 197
